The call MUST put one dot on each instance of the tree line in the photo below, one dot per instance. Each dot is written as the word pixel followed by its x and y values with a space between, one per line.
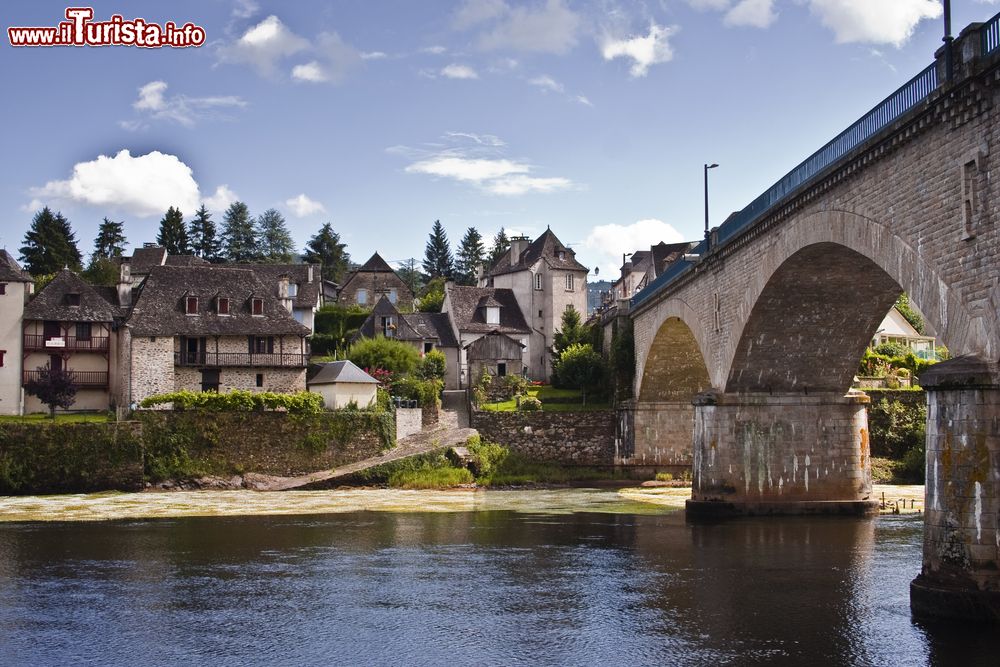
pixel 50 244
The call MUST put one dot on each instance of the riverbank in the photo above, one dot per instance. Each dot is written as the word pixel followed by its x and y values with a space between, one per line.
pixel 135 506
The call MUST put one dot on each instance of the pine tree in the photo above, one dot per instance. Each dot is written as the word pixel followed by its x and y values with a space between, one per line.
pixel 203 236
pixel 49 244
pixel 110 241
pixel 173 233
pixel 276 243
pixel 500 245
pixel 238 240
pixel 471 254
pixel 437 254
pixel 325 248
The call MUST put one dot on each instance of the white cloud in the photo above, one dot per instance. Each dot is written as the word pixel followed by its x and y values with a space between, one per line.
pixel 582 99
pixel 244 9
pixel 548 28
pixel 455 71
pixel 222 198
pixel 480 166
pixel 474 12
pixel 874 21
pixel 303 206
pixel 143 185
pixel 607 243
pixel 751 13
pixel 262 46
pixel 547 83
pixel 374 55
pixel 644 51
pixel 311 72
pixel 154 104
pixel 434 50
pixel 703 5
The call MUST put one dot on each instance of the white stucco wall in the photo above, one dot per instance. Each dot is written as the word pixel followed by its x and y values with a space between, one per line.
pixel 11 312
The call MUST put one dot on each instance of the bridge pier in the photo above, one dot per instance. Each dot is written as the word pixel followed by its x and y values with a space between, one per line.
pixel 661 435
pixel 960 578
pixel 781 454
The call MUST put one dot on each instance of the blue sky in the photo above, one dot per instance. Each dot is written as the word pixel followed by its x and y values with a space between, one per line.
pixel 593 118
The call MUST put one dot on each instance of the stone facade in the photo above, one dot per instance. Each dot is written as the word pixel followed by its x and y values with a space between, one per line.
pixel 150 367
pixel 575 438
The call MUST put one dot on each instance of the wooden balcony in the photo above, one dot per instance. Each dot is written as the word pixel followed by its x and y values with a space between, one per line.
pixel 35 342
pixel 85 379
pixel 244 359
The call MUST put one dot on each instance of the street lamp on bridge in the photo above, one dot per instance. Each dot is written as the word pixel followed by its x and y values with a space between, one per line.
pixel 707 167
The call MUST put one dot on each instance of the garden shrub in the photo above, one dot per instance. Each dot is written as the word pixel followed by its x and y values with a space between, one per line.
pixel 384 353
pixel 238 400
pixel 433 366
pixel 530 404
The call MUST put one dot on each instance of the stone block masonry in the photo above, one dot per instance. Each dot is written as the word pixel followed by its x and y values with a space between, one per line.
pixel 572 438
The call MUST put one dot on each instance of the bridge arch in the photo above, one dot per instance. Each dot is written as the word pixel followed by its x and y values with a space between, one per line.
pixel 674 365
pixel 819 293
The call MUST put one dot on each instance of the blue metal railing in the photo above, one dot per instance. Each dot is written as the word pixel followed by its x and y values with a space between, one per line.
pixel 991 35
pixel 909 95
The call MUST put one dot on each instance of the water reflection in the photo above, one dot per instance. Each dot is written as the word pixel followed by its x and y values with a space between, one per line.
pixel 490 587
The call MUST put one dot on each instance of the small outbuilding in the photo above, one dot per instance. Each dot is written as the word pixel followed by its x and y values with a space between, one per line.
pixel 340 382
pixel 498 353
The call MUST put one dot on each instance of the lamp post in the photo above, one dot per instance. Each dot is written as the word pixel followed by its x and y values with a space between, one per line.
pixel 624 288
pixel 707 167
pixel 948 39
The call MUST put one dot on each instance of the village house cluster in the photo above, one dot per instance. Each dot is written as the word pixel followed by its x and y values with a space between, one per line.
pixel 177 322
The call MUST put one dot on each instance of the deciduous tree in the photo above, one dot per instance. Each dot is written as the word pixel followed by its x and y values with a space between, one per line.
pixel 54 387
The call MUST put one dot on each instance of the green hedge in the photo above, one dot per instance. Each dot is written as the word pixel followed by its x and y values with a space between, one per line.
pixel 238 400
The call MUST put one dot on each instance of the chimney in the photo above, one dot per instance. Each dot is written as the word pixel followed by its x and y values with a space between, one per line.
pixel 517 245
pixel 309 273
pixel 125 283
pixel 286 300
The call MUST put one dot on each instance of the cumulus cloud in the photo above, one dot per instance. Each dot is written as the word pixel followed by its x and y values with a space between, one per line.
pixel 154 104
pixel 303 206
pixel 143 185
pixel 644 51
pixel 483 166
pixel 263 46
pixel 751 13
pixel 547 83
pixel 874 21
pixel 455 71
pixel 606 243
pixel 222 198
pixel 550 27
pixel 311 72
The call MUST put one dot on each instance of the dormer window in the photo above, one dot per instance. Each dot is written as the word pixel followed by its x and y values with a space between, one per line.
pixel 257 306
pixel 561 254
pixel 293 289
pixel 492 315
pixel 538 281
pixel 191 305
pixel 222 306
pixel 388 327
pixel 73 299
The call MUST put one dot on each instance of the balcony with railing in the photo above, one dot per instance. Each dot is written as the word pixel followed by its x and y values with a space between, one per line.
pixel 86 379
pixel 59 343
pixel 246 359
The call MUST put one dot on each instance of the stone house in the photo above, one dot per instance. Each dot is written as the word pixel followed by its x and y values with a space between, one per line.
pixel 340 383
pixel 643 267
pixel 209 328
pixel 71 325
pixel 15 288
pixel 424 331
pixel 298 287
pixel 545 279
pixel 373 280
pixel 474 312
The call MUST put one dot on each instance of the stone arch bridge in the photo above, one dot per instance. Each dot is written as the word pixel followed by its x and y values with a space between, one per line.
pixel 746 351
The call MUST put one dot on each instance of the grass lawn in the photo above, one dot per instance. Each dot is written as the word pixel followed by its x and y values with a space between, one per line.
pixel 572 397
pixel 43 418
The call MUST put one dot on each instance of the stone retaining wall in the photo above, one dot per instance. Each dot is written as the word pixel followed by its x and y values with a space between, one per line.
pixel 408 421
pixel 576 438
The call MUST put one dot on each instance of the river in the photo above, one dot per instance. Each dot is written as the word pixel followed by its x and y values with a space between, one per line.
pixel 574 577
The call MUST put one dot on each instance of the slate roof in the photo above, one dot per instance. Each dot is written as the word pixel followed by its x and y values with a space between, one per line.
pixel 341 372
pixel 10 270
pixel 547 247
pixel 144 259
pixel 269 274
pixel 51 302
pixel 409 326
pixel 668 253
pixel 159 304
pixel 185 260
pixel 375 264
pixel 470 318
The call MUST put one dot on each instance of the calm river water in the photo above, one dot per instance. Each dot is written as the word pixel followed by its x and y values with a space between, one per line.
pixel 547 577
